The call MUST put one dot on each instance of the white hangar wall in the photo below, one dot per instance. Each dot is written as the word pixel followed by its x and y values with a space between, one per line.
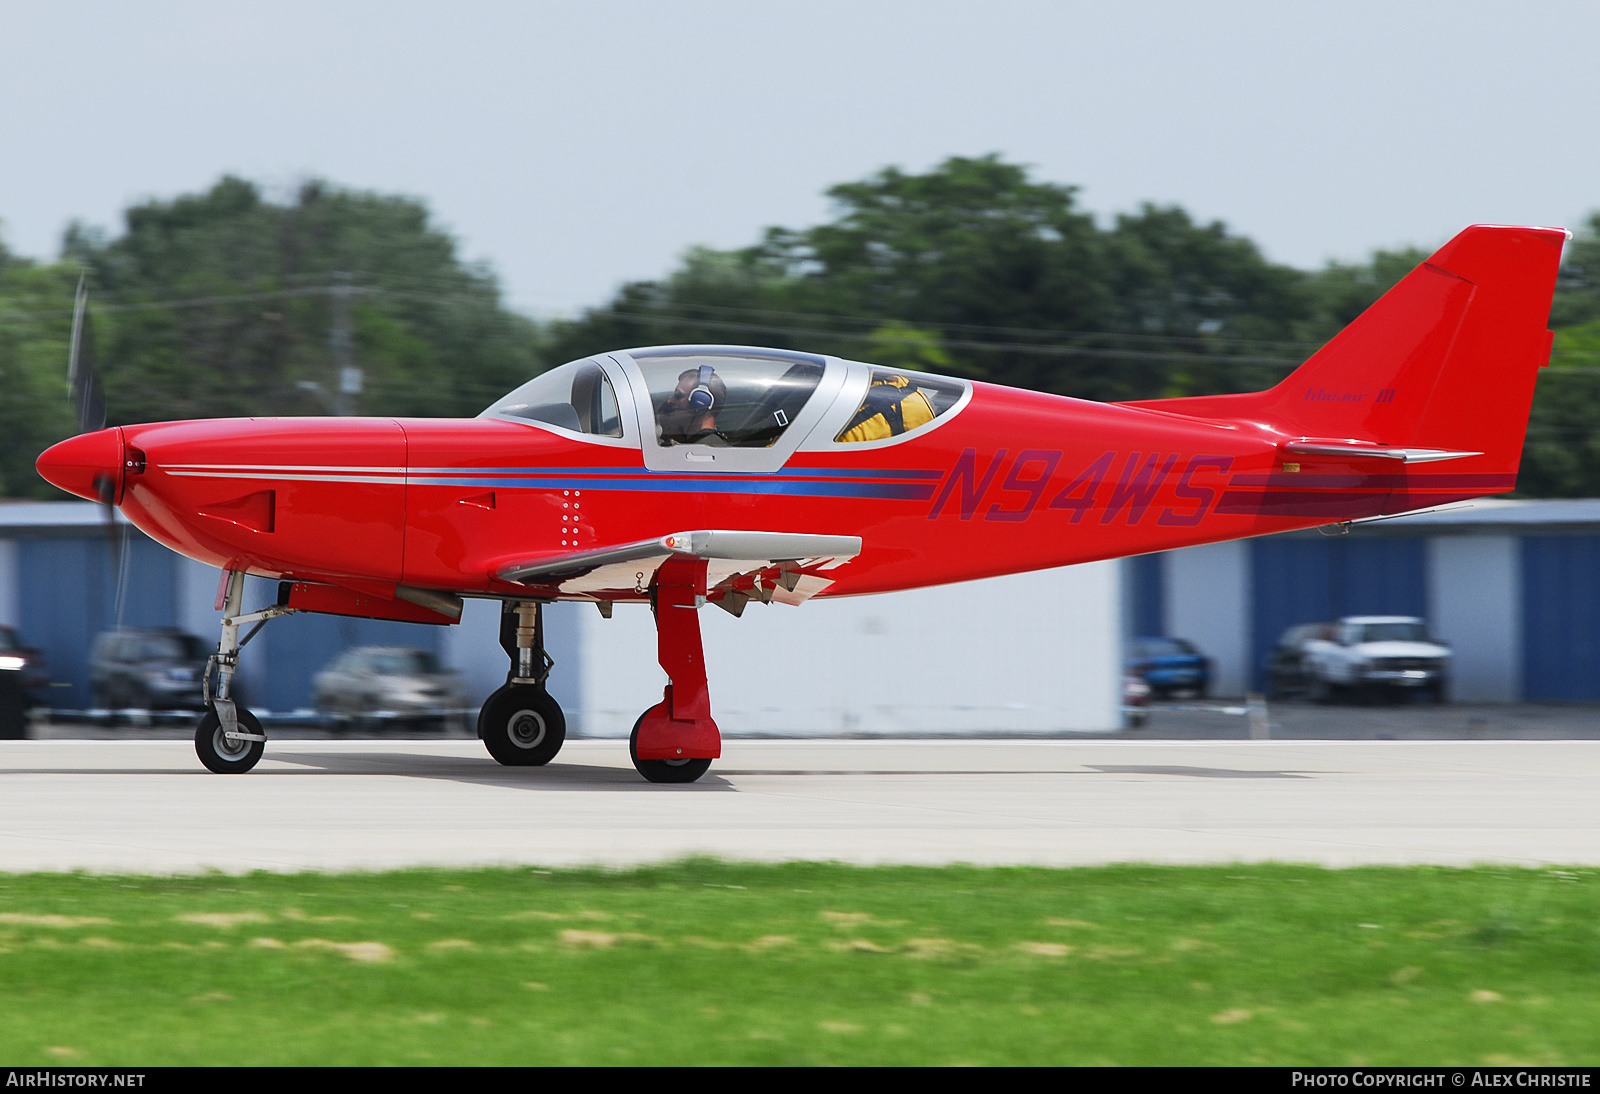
pixel 1028 653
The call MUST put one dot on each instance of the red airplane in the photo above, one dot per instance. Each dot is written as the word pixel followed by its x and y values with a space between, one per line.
pixel 678 476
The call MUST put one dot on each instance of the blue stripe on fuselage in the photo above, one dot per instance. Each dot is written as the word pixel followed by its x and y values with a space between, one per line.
pixel 788 473
pixel 721 485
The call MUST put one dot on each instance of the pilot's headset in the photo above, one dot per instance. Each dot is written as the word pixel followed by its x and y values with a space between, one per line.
pixel 701 398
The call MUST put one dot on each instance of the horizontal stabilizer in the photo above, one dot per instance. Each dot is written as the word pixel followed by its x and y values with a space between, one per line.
pixel 1358 449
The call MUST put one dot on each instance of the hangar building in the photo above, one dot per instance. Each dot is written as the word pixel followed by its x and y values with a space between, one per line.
pixel 1513 586
pixel 1035 653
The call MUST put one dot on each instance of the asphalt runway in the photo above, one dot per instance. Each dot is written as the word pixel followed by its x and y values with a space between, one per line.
pixel 146 806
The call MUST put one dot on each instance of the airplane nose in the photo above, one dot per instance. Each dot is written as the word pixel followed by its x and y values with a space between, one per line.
pixel 86 465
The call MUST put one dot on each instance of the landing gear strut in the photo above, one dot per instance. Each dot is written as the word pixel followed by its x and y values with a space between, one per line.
pixel 520 724
pixel 227 739
pixel 676 740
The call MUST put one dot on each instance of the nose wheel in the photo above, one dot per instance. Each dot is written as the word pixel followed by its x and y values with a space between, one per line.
pixel 229 754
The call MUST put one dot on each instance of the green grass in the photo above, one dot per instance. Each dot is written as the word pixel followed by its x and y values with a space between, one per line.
pixel 707 962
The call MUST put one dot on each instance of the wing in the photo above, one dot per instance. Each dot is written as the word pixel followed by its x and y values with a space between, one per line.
pixel 740 566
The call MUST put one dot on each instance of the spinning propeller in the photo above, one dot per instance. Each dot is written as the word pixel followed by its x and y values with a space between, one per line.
pixel 88 400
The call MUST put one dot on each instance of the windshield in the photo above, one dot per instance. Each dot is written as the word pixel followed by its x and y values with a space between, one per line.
pixel 724 400
pixel 576 397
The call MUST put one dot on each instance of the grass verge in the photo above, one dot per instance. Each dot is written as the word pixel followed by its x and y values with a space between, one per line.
pixel 703 962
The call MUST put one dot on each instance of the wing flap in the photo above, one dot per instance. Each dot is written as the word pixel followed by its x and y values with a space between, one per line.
pixel 783 566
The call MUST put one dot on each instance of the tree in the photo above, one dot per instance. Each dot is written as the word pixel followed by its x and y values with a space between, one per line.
pixel 227 303
pixel 35 328
pixel 1016 283
pixel 224 303
pixel 1562 455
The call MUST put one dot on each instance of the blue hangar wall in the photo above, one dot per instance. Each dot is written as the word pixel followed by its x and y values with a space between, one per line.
pixel 59 588
pixel 1513 586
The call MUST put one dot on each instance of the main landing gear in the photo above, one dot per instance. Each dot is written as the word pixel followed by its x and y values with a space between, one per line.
pixel 676 740
pixel 520 724
pixel 672 742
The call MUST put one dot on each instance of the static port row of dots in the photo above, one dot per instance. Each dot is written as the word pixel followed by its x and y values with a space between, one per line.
pixel 574 505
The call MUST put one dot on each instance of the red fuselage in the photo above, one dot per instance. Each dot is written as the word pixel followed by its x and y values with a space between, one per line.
pixel 1014 481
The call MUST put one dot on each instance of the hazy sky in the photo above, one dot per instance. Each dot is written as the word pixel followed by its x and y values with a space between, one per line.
pixel 575 146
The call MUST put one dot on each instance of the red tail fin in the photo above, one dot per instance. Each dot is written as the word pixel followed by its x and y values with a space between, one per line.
pixel 1444 360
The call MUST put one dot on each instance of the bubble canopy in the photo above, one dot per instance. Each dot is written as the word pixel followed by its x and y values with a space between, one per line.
pixel 731 408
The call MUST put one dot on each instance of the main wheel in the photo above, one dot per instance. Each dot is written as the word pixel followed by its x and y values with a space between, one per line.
pixel 664 771
pixel 221 755
pixel 522 726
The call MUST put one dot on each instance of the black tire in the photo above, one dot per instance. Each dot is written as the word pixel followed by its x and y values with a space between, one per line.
pixel 13 711
pixel 221 755
pixel 664 771
pixel 522 726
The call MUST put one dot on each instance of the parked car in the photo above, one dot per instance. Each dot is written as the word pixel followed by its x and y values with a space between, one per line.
pixel 1286 664
pixel 1377 655
pixel 22 676
pixel 16 656
pixel 1169 666
pixel 157 668
pixel 379 685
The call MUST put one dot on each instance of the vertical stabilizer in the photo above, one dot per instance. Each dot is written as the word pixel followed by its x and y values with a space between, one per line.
pixel 1445 360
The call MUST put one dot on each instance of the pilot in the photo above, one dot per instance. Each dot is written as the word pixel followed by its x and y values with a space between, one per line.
pixel 689 415
pixel 893 405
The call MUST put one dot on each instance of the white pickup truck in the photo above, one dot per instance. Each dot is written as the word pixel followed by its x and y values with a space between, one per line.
pixel 1374 654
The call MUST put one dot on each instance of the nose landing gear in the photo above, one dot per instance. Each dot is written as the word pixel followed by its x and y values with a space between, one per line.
pixel 228 739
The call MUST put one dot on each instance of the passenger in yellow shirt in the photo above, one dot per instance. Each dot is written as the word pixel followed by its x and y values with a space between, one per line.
pixel 893 406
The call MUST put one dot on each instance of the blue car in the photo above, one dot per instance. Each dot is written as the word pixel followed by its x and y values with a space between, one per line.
pixel 1169 665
